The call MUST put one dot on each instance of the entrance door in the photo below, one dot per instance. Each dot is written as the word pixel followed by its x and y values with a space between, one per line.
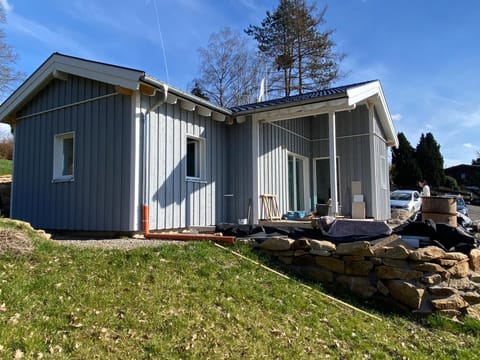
pixel 322 180
pixel 296 182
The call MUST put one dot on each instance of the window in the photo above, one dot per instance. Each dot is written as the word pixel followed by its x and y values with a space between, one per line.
pixel 195 158
pixel 63 157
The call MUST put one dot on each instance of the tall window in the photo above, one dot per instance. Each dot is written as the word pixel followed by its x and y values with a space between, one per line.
pixel 195 158
pixel 63 156
pixel 296 182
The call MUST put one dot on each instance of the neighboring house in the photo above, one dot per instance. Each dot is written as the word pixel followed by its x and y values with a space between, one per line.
pixel 97 144
pixel 466 175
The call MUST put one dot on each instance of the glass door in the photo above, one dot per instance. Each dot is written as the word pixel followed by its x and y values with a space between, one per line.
pixel 296 183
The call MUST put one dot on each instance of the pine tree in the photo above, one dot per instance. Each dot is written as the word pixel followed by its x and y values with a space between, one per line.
pixel 301 56
pixel 430 160
pixel 405 171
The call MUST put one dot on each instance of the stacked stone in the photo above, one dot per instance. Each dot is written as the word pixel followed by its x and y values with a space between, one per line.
pixel 424 280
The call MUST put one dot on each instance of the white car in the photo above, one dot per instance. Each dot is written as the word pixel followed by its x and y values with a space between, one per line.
pixel 409 200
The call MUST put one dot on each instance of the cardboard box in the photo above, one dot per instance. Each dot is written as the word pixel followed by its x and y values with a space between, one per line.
pixel 356 187
pixel 441 218
pixel 358 210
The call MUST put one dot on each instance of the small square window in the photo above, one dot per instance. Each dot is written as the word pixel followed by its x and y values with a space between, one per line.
pixel 63 156
pixel 195 157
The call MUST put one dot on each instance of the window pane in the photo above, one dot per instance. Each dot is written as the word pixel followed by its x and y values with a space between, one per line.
pixel 191 158
pixel 67 156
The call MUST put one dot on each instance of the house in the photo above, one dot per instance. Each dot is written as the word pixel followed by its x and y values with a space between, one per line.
pixel 466 175
pixel 99 146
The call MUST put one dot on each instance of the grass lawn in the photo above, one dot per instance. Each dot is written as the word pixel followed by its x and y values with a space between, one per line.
pixel 5 167
pixel 193 301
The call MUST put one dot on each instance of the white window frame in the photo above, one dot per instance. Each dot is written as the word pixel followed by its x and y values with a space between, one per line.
pixel 59 157
pixel 200 158
pixel 306 179
pixel 384 172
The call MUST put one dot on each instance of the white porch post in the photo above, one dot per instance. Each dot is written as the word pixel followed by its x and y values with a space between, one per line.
pixel 255 180
pixel 332 143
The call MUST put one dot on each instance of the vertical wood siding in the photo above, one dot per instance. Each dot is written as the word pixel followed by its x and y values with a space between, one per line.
pixel 98 198
pixel 353 154
pixel 175 201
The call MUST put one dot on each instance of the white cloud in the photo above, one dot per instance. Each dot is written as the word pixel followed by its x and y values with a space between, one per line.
pixel 55 40
pixel 429 126
pixel 6 6
pixel 397 117
pixel 468 145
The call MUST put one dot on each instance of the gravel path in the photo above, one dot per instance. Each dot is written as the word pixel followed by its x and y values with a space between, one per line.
pixel 118 243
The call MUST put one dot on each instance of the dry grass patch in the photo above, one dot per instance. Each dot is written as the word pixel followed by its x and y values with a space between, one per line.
pixel 15 242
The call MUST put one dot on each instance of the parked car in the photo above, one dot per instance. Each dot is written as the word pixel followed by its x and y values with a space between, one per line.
pixel 409 200
pixel 461 205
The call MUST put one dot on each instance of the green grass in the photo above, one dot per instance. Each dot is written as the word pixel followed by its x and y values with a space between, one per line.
pixel 5 167
pixel 193 302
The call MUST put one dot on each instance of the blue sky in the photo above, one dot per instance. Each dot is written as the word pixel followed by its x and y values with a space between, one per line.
pixel 425 53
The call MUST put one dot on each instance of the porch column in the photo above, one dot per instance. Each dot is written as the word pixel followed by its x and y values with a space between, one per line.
pixel 332 143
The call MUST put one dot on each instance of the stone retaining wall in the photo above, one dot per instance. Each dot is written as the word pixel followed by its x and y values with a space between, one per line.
pixel 424 280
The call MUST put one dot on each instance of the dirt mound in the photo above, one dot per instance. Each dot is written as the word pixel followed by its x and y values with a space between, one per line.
pixel 14 242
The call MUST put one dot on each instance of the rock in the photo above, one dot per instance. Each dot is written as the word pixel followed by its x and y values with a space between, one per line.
pixel 473 311
pixel 433 279
pixel 462 284
pixel 388 272
pixel 475 259
pixel 300 252
pixel 382 288
pixel 335 265
pixel 395 262
pixel 353 258
pixel 427 253
pixel 361 248
pixel 287 260
pixel 471 297
pixel 376 261
pixel 277 243
pixel 446 262
pixel 442 291
pixel 397 252
pixel 358 268
pixel 460 270
pixel 450 313
pixel 406 293
pixel 428 267
pixel 301 244
pixel 455 256
pixel 318 274
pixel 320 252
pixel 358 285
pixel 390 241
pixel 284 253
pixel 475 277
pixel 303 260
pixel 454 302
pixel 322 245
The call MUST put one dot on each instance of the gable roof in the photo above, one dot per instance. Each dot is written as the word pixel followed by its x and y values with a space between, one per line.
pixel 59 65
pixel 335 99
pixel 313 103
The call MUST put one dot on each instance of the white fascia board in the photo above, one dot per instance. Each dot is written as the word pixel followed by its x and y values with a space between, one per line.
pixel 373 91
pixel 111 74
pixel 311 109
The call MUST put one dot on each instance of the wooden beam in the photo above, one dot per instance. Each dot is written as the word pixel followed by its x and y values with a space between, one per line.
pixel 218 117
pixel 203 111
pixel 171 99
pixel 147 90
pixel 187 105
pixel 123 91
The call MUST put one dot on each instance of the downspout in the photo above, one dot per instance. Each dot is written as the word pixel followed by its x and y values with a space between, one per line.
pixel 146 184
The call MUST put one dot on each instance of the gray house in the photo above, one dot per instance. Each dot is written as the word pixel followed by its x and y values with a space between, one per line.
pixel 100 147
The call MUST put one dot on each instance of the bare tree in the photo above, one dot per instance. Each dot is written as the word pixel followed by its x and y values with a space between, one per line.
pixel 9 77
pixel 302 57
pixel 229 70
